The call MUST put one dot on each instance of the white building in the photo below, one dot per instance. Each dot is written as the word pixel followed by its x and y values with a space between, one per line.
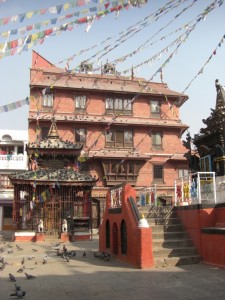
pixel 13 158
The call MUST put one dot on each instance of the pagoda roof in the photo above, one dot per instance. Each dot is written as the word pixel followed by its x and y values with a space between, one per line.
pixel 53 176
pixel 53 141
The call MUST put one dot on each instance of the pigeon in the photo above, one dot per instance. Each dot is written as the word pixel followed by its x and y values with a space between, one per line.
pixel 56 245
pixel 64 249
pixel 19 247
pixel 12 277
pixel 21 269
pixel 22 261
pixel 44 261
pixel 29 276
pixel 17 287
pixel 30 257
pixel 35 250
pixel 19 294
pixel 84 254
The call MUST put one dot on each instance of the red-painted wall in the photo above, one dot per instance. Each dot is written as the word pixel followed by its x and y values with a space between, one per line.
pixel 210 246
pixel 139 240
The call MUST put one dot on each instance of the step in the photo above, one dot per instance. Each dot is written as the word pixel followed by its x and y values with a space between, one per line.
pixel 162 214
pixel 177 261
pixel 172 243
pixel 167 228
pixel 169 235
pixel 163 221
pixel 174 252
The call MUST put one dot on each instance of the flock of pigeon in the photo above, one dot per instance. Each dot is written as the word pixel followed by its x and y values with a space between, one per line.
pixel 61 251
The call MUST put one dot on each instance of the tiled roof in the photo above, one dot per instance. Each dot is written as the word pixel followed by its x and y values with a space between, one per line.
pixel 56 77
pixel 52 175
pixel 106 119
pixel 55 143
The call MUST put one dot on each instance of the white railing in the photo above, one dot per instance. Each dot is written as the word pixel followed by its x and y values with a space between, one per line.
pixel 148 196
pixel 196 188
pixel 13 162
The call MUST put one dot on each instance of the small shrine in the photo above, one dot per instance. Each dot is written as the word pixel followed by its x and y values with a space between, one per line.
pixel 210 142
pixel 51 198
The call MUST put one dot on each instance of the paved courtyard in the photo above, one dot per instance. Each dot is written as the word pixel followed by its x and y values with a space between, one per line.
pixel 92 278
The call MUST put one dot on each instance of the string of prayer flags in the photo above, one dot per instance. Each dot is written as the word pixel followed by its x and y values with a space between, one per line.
pixel 57 9
pixel 14 105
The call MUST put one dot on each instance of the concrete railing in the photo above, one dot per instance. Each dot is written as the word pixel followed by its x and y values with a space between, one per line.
pixel 13 162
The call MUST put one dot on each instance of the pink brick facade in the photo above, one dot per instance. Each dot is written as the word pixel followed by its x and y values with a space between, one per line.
pixel 141 155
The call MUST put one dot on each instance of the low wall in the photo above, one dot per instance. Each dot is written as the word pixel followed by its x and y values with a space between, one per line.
pixel 201 222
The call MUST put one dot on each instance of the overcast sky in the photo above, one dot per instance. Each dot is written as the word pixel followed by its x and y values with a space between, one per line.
pixel 191 65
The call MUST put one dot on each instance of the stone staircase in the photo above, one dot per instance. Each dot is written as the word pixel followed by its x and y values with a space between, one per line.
pixel 171 243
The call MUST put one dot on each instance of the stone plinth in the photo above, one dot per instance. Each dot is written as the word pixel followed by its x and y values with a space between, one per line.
pixel 24 236
pixel 80 236
pixel 65 237
pixel 40 237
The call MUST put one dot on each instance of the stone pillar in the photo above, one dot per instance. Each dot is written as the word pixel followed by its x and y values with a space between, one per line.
pixel 15 150
pixel 145 251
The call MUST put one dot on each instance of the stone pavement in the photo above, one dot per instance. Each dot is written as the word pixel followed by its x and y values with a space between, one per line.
pixel 85 278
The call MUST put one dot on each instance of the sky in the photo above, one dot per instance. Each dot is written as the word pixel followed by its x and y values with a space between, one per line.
pixel 189 64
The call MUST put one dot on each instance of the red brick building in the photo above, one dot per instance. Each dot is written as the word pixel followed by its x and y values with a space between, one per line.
pixel 130 128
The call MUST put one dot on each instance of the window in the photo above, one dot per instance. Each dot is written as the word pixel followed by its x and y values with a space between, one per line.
pixel 20 150
pixel 158 173
pixel 155 107
pixel 80 135
pixel 205 164
pixel 118 171
pixel 156 140
pixel 44 132
pixel 118 105
pixel 119 138
pixel 7 211
pixel 4 181
pixel 183 173
pixel 48 100
pixel 80 102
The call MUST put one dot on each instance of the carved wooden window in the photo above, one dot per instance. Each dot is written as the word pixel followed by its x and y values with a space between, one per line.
pixel 119 138
pixel 155 106
pixel 80 103
pixel 118 105
pixel 117 171
pixel 156 140
pixel 158 173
